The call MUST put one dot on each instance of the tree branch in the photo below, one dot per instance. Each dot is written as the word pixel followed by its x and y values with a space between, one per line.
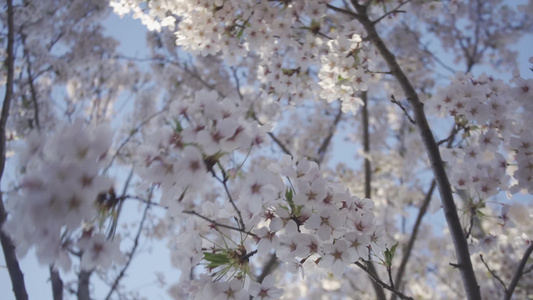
pixel 237 82
pixel 57 284
pixel 279 143
pixel 519 272
pixel 273 137
pixel 460 243
pixel 133 249
pixel 224 182
pixel 393 100
pixel 381 283
pixel 414 234
pixel 324 146
pixel 396 10
pixel 83 285
pixel 194 73
pixel 15 273
pixel 192 212
pixel 493 273
pixel 268 268
pixel 366 145
pixel 380 294
pixel 342 10
pixel 418 222
pixel 130 136
pixel 30 83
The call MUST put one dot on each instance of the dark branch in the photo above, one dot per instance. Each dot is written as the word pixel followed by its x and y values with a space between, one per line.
pixel 393 100
pixel 342 10
pixel 216 224
pixel 83 292
pixel 381 283
pixel 380 294
pixel 493 273
pixel 17 278
pixel 31 78
pixel 279 143
pixel 471 223
pixel 528 270
pixel 194 73
pixel 123 196
pixel 268 268
pixel 324 146
pixel 519 272
pixel 225 183
pixel 450 210
pixel 390 277
pixel 414 234
pixel 57 284
pixel 394 11
pixel 273 137
pixel 130 136
pixel 237 82
pixel 133 249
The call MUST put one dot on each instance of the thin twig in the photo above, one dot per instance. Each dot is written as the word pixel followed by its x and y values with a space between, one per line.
pixel 381 283
pixel 396 10
pixel 380 294
pixel 519 272
pixel 273 137
pixel 342 10
pixel 224 182
pixel 17 278
pixel 113 228
pixel 30 83
pixel 414 233
pixel 493 273
pixel 268 268
pixel 471 225
pixel 455 130
pixel 176 64
pixel 393 100
pixel 133 249
pixel 132 133
pixel 216 224
pixel 279 143
pixel 237 82
pixel 528 270
pixel 445 280
pixel 426 50
pixel 324 146
pixel 390 277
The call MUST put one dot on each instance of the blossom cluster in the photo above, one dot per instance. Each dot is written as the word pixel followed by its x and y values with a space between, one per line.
pixel 59 196
pixel 287 208
pixel 499 140
pixel 288 39
pixel 342 73
pixel 231 209
pixel 200 132
pixel 313 226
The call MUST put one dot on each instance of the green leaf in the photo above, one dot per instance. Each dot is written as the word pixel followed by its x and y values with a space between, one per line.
pixel 178 127
pixel 393 249
pixel 289 195
pixel 216 259
pixel 240 33
pixel 298 211
pixel 389 255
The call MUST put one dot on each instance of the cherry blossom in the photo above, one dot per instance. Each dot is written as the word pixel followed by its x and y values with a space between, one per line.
pixel 257 138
